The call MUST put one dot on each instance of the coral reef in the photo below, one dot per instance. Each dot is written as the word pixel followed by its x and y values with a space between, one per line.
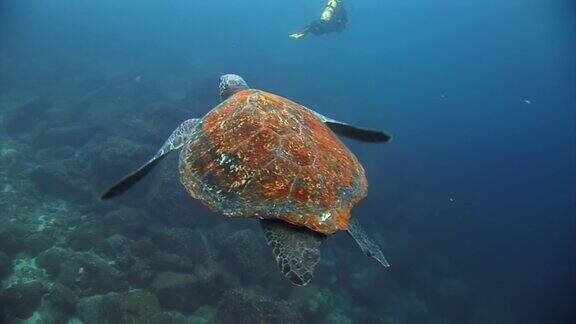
pixel 169 203
pixel 22 299
pixel 84 272
pixel 250 306
pixel 5 265
pixel 179 291
pixel 58 305
pixel 135 306
pixel 247 251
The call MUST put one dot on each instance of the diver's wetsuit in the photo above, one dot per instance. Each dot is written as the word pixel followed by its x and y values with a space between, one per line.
pixel 333 19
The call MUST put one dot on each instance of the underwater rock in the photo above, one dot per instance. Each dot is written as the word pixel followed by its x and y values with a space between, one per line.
pixel 174 317
pixel 133 257
pixel 58 305
pixel 52 259
pixel 99 276
pixel 48 314
pixel 183 241
pixel 203 315
pixel 168 200
pixel 100 309
pixel 245 250
pixel 62 297
pixel 172 280
pixel 249 306
pixel 133 307
pixel 127 221
pixel 117 248
pixel 38 242
pixel 5 265
pixel 88 235
pixel 9 242
pixel 117 244
pixel 143 247
pixel 11 233
pixel 366 282
pixel 185 292
pixel 60 179
pixel 318 303
pixel 82 271
pixel 163 261
pixel 214 281
pixel 113 154
pixel 25 270
pixel 140 273
pixel 175 290
pixel 142 307
pixel 21 299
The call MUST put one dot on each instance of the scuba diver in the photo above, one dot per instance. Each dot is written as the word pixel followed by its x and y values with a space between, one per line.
pixel 333 19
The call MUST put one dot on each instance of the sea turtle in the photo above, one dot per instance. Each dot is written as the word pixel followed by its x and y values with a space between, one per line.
pixel 259 155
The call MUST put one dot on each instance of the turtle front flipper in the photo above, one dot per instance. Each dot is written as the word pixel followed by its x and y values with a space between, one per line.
pixel 355 132
pixel 296 249
pixel 178 137
pixel 368 246
pixel 358 133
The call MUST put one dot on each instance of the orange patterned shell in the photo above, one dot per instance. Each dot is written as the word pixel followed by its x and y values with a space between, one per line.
pixel 259 155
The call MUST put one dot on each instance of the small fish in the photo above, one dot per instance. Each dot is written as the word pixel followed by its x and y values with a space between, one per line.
pixel 527 101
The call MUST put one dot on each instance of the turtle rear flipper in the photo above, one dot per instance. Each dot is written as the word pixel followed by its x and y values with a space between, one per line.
pixel 368 246
pixel 178 137
pixel 296 249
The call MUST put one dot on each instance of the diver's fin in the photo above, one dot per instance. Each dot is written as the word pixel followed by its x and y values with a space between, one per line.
pixel 355 132
pixel 300 34
pixel 297 35
pixel 178 137
pixel 368 246
pixel 296 249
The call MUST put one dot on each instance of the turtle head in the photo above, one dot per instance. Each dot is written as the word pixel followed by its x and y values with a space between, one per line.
pixel 230 84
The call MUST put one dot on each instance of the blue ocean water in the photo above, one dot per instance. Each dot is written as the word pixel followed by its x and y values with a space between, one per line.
pixel 473 201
